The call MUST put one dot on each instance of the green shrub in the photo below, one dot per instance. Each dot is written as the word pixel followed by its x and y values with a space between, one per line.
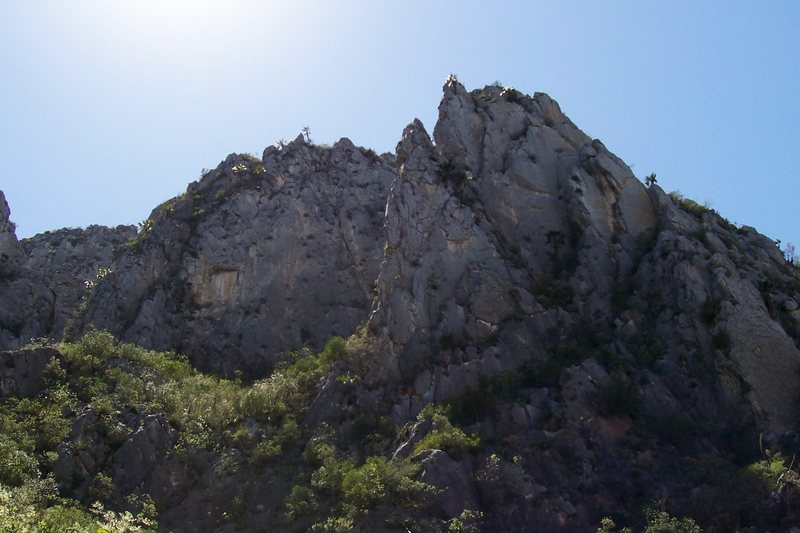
pixel 469 521
pixel 61 518
pixel 771 473
pixel 449 172
pixel 301 501
pixel 443 434
pixel 662 522
pixel 93 349
pixel 16 465
pixel 341 492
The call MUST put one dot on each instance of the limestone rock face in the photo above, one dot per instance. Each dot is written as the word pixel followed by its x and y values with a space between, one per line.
pixel 513 209
pixel 43 279
pixel 68 262
pixel 25 302
pixel 453 481
pixel 715 289
pixel 22 373
pixel 258 257
pixel 10 250
pixel 606 342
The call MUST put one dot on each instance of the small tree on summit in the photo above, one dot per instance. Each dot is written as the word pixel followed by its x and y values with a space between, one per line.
pixel 650 180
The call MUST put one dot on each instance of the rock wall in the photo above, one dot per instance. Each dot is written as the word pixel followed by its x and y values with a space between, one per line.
pixel 44 279
pixel 258 257
pixel 498 244
pixel 69 262
pixel 515 224
pixel 10 251
pixel 25 302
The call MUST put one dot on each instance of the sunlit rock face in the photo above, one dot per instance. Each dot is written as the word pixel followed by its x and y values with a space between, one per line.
pixel 607 344
pixel 258 257
pixel 511 209
pixel 506 240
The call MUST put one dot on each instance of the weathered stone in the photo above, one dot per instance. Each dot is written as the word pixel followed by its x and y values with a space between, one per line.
pixel 70 262
pixel 456 489
pixel 10 251
pixel 142 452
pixel 257 258
pixel 22 373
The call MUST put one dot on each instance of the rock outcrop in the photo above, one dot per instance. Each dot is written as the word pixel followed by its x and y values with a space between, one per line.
pixel 25 302
pixel 600 339
pixel 515 229
pixel 257 258
pixel 514 224
pixel 10 251
pixel 22 373
pixel 69 262
pixel 43 279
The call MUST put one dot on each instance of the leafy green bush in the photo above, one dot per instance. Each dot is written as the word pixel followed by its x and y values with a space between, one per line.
pixel 61 518
pixel 16 465
pixel 443 434
pixel 92 350
pixel 469 521
pixel 772 473
pixel 662 522
pixel 342 493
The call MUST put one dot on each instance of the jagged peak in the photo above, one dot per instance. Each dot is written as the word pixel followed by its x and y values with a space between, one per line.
pixel 452 85
pixel 9 246
pixel 414 136
pixel 5 211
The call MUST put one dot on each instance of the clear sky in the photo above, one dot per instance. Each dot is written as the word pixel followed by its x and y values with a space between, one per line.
pixel 108 108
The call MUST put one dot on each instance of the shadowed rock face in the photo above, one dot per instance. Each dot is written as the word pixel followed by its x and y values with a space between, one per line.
pixel 257 258
pixel 9 247
pixel 69 262
pixel 43 279
pixel 25 302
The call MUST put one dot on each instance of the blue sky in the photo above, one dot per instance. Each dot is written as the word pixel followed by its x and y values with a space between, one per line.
pixel 108 108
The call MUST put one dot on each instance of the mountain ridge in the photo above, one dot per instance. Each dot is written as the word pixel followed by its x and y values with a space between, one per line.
pixel 510 267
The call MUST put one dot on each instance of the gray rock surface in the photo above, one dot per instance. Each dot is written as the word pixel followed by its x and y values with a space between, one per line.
pixel 44 278
pixel 510 237
pixel 604 339
pixel 143 451
pixel 514 223
pixel 69 262
pixel 22 373
pixel 24 302
pixel 10 251
pixel 258 257
pixel 456 490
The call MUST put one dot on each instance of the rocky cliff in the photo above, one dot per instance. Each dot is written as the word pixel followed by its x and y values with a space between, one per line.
pixel 257 258
pixel 70 262
pixel 24 311
pixel 596 347
pixel 44 279
pixel 516 229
